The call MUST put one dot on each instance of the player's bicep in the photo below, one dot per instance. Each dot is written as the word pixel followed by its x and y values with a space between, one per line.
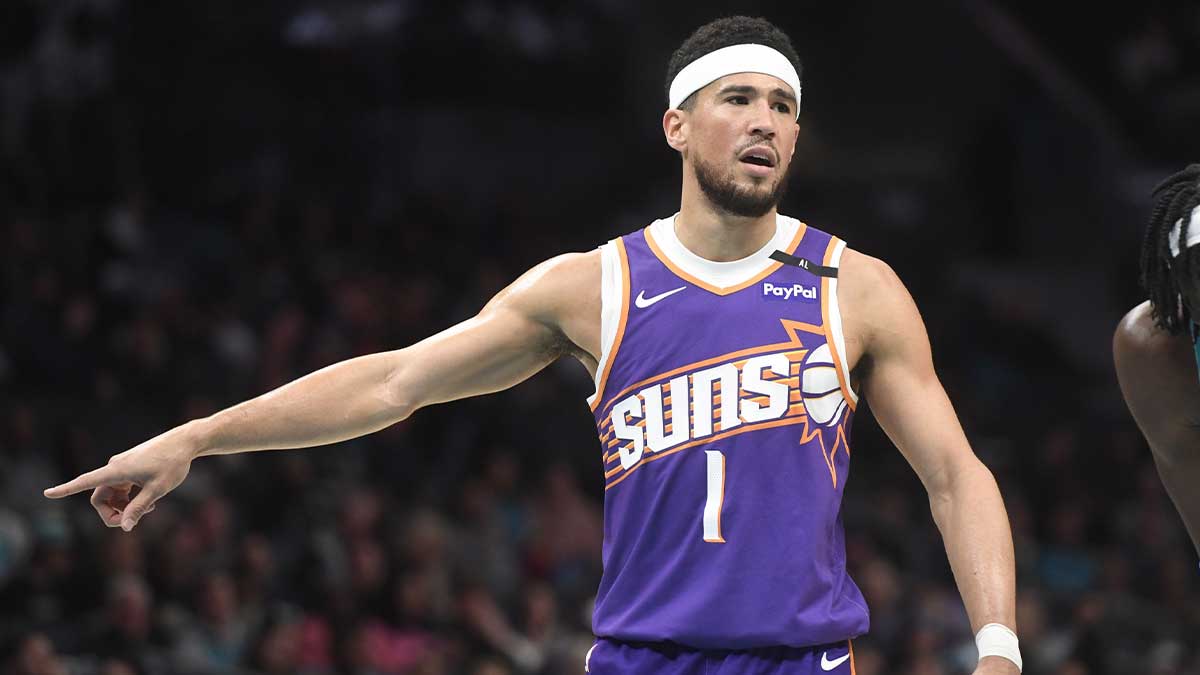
pixel 519 332
pixel 494 350
pixel 904 392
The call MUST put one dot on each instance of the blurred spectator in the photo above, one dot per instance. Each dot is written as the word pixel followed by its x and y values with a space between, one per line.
pixel 125 634
pixel 216 636
pixel 35 655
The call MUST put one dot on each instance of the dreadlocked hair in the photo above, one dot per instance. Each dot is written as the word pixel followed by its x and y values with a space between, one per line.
pixel 1174 200
pixel 726 32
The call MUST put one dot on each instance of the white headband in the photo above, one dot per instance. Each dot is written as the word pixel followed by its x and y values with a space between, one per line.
pixel 745 58
pixel 1193 233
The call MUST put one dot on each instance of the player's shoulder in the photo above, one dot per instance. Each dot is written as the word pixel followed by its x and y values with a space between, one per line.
pixel 1137 333
pixel 1157 374
pixel 867 282
pixel 573 267
pixel 555 285
pixel 877 311
pixel 867 269
pixel 563 271
pixel 1139 342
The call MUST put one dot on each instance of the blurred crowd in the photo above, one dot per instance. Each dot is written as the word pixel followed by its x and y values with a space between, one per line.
pixel 196 208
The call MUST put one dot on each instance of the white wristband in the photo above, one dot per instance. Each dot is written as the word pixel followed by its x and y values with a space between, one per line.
pixel 997 639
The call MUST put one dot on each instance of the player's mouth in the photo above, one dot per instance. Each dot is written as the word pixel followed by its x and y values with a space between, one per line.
pixel 758 160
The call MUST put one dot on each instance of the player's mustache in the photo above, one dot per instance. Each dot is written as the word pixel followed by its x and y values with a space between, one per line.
pixel 758 140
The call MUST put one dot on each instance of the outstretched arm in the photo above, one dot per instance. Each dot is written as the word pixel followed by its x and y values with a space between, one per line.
pixel 524 328
pixel 911 406
pixel 1157 373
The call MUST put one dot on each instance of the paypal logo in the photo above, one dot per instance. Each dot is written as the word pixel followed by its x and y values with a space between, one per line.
pixel 789 292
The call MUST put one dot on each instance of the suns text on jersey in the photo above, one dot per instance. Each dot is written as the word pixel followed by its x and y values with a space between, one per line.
pixel 718 398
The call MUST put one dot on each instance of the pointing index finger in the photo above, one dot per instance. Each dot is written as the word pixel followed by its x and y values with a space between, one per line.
pixel 87 481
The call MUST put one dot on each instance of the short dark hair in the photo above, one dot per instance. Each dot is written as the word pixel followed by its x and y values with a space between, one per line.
pixel 725 32
pixel 1174 200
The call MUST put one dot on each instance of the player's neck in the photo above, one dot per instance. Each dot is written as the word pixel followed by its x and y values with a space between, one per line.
pixel 720 236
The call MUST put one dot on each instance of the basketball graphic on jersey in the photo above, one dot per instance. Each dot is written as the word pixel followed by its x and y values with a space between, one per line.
pixel 820 389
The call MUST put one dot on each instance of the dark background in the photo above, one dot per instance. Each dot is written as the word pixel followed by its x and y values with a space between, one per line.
pixel 202 201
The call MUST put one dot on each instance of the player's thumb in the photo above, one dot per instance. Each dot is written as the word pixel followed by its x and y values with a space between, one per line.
pixel 140 506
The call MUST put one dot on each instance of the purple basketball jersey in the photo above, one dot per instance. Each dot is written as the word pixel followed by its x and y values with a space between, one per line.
pixel 724 416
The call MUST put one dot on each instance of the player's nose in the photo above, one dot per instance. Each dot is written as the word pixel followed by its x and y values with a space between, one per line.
pixel 762 120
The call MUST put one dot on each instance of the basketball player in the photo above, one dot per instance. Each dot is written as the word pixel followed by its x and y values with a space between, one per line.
pixel 729 346
pixel 1155 347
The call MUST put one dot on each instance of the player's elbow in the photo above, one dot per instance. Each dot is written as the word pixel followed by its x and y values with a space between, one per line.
pixel 960 480
pixel 399 394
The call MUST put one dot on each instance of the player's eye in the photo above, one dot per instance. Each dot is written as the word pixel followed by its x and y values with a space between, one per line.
pixel 739 100
pixel 783 108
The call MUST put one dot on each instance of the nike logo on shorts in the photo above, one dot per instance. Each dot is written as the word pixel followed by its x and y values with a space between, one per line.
pixel 587 660
pixel 826 664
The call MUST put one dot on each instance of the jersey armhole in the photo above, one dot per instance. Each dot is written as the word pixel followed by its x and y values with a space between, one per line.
pixel 833 321
pixel 613 301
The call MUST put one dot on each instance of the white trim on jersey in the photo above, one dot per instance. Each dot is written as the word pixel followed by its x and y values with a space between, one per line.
pixel 835 318
pixel 723 274
pixel 612 290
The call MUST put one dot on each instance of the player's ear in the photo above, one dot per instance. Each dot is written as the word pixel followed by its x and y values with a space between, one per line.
pixel 797 141
pixel 675 128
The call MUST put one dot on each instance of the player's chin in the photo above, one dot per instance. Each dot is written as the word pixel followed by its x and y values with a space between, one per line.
pixel 757 173
pixel 759 185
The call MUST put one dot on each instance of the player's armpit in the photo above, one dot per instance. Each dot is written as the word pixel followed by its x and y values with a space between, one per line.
pixel 551 310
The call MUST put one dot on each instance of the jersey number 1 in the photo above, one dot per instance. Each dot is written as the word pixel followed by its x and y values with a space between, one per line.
pixel 716 496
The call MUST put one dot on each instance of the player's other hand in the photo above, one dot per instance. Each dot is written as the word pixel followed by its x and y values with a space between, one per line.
pixel 996 665
pixel 127 487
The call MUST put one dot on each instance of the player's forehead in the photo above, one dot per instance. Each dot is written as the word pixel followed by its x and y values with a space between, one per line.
pixel 759 83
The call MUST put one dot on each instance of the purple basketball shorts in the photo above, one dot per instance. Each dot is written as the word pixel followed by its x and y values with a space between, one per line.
pixel 614 657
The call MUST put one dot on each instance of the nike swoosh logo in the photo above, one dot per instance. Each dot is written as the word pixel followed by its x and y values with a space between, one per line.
pixel 826 664
pixel 587 660
pixel 643 302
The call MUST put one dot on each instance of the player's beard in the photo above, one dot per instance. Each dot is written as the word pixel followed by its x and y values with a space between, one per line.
pixel 723 191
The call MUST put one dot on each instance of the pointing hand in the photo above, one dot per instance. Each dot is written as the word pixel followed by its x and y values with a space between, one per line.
pixel 127 487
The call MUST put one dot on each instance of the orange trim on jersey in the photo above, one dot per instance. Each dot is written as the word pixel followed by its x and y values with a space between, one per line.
pixel 741 429
pixel 658 253
pixel 850 646
pixel 839 440
pixel 790 326
pixel 837 360
pixel 616 346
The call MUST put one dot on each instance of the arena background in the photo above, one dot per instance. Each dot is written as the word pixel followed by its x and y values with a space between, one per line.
pixel 202 201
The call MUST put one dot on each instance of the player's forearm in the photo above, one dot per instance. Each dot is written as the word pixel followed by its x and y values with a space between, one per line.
pixel 970 513
pixel 342 401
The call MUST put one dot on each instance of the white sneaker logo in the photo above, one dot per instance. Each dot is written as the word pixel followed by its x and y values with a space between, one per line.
pixel 643 302
pixel 587 660
pixel 826 664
